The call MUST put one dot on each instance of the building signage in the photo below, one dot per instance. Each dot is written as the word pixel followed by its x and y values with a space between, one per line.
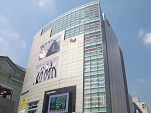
pixel 50 47
pixel 23 107
pixel 24 101
pixel 22 111
pixel 47 70
pixel 73 40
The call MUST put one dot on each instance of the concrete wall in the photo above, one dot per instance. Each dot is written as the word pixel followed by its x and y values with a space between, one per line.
pixel 7 106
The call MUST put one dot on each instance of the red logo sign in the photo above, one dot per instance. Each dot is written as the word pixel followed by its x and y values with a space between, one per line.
pixel 73 40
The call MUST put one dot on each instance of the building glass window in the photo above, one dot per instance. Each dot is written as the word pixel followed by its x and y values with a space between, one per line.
pixel 94 58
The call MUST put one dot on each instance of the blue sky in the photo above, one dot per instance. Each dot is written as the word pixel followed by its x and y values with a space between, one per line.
pixel 20 20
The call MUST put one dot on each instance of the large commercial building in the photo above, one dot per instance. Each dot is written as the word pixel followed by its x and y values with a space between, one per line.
pixel 11 82
pixel 76 66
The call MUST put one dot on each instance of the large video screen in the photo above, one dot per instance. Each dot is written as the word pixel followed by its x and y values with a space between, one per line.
pixel 58 103
pixel 5 91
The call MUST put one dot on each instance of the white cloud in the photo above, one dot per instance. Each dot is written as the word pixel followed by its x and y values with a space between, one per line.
pixel 11 43
pixel 9 34
pixel 147 39
pixel 11 39
pixel 140 80
pixel 46 3
pixel 42 3
pixel 144 80
pixel 24 45
pixel 2 40
pixel 140 33
pixel 145 35
pixel 3 20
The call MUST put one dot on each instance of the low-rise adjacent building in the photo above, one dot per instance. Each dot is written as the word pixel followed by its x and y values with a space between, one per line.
pixel 140 107
pixel 11 81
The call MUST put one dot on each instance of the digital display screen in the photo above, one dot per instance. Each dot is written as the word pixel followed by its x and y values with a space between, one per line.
pixel 58 103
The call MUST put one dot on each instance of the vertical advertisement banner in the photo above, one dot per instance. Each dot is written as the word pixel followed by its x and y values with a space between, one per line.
pixel 50 47
pixel 47 70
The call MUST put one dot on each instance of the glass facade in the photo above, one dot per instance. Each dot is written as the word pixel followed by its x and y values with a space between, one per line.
pixel 76 21
pixel 86 20
pixel 94 76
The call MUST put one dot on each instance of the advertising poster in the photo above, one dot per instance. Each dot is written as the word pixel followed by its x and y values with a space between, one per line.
pixel 50 47
pixel 5 91
pixel 58 103
pixel 47 70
